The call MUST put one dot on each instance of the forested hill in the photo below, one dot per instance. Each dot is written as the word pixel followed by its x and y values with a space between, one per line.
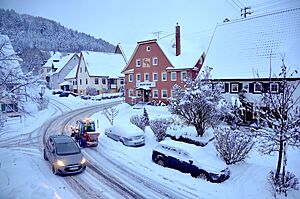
pixel 26 31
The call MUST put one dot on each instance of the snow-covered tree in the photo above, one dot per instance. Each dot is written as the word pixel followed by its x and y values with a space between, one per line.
pixel 13 82
pixel 110 114
pixel 281 119
pixel 139 120
pixel 232 145
pixel 146 117
pixel 159 127
pixel 197 103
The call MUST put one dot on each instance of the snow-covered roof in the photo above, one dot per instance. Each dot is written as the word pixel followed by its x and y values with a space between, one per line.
pixel 8 58
pixel 72 73
pixel 62 62
pixel 191 52
pixel 103 63
pixel 56 56
pixel 241 48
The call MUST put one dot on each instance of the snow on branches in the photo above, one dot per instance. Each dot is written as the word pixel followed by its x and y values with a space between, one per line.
pixel 159 127
pixel 232 145
pixel 197 103
pixel 110 114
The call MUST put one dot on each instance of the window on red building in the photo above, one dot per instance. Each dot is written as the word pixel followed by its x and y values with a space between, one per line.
pixel 155 93
pixel 155 77
pixel 138 62
pixel 130 78
pixel 155 61
pixel 138 77
pixel 164 94
pixel 173 76
pixel 183 75
pixel 146 77
pixel 164 76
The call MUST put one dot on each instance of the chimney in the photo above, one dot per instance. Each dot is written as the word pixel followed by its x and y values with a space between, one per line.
pixel 177 38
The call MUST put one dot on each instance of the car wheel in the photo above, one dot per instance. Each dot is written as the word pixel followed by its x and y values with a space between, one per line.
pixel 54 171
pixel 45 156
pixel 202 175
pixel 161 162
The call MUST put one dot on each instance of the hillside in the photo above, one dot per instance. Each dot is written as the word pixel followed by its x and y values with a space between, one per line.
pixel 34 37
pixel 26 31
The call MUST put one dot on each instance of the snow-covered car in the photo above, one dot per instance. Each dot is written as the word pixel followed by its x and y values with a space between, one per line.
pixel 189 158
pixel 129 134
pixel 64 155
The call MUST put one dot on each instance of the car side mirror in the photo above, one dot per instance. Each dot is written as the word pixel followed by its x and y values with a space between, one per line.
pixel 191 161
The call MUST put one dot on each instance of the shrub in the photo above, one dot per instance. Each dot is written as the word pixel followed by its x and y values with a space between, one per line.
pixel 232 145
pixel 159 127
pixel 283 184
pixel 139 121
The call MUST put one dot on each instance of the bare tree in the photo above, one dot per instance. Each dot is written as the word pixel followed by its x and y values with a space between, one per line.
pixel 197 103
pixel 110 114
pixel 281 119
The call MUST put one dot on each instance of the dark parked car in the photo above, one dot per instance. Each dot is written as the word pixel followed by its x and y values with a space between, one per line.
pixel 57 91
pixel 189 158
pixel 64 94
pixel 64 155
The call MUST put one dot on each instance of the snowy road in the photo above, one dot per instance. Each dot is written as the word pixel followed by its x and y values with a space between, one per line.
pixel 105 177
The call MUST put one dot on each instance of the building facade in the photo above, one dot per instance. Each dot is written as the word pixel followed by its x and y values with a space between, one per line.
pixel 151 73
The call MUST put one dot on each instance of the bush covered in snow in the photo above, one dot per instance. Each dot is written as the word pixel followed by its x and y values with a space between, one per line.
pixel 283 184
pixel 91 91
pixel 146 117
pixel 159 127
pixel 140 121
pixel 232 145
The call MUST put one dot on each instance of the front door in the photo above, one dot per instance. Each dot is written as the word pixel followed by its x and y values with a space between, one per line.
pixel 146 96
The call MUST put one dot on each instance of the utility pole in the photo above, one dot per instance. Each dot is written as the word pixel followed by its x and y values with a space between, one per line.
pixel 244 11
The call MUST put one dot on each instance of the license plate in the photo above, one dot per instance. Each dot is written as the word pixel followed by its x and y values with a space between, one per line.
pixel 73 168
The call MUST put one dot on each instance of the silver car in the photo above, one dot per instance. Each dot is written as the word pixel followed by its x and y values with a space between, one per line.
pixel 64 155
pixel 128 134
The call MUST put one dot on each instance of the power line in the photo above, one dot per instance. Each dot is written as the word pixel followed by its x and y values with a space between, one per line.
pixel 240 3
pixel 232 5
pixel 236 4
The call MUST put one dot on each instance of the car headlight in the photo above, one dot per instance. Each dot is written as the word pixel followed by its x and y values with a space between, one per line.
pixel 83 161
pixel 60 163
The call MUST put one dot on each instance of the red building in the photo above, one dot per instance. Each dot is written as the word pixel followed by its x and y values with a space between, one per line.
pixel 156 66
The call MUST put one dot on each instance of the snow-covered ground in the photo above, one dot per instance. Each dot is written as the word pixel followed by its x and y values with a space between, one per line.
pixel 24 173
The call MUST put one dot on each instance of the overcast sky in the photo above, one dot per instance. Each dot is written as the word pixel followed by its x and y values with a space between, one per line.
pixel 130 21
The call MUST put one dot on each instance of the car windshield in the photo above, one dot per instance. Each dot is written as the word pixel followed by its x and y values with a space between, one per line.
pixel 67 148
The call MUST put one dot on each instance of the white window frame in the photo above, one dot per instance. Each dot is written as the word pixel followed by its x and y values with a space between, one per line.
pixel 130 93
pixel 130 78
pixel 138 79
pixel 162 76
pixel 146 80
pixel 182 78
pixel 231 87
pixel 277 86
pixel 148 48
pixel 155 91
pixel 138 62
pixel 172 78
pixel 154 61
pixel 172 93
pixel 256 90
pixel 155 80
pixel 162 93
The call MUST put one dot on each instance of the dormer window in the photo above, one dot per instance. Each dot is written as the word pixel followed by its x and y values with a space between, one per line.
pixel 148 48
